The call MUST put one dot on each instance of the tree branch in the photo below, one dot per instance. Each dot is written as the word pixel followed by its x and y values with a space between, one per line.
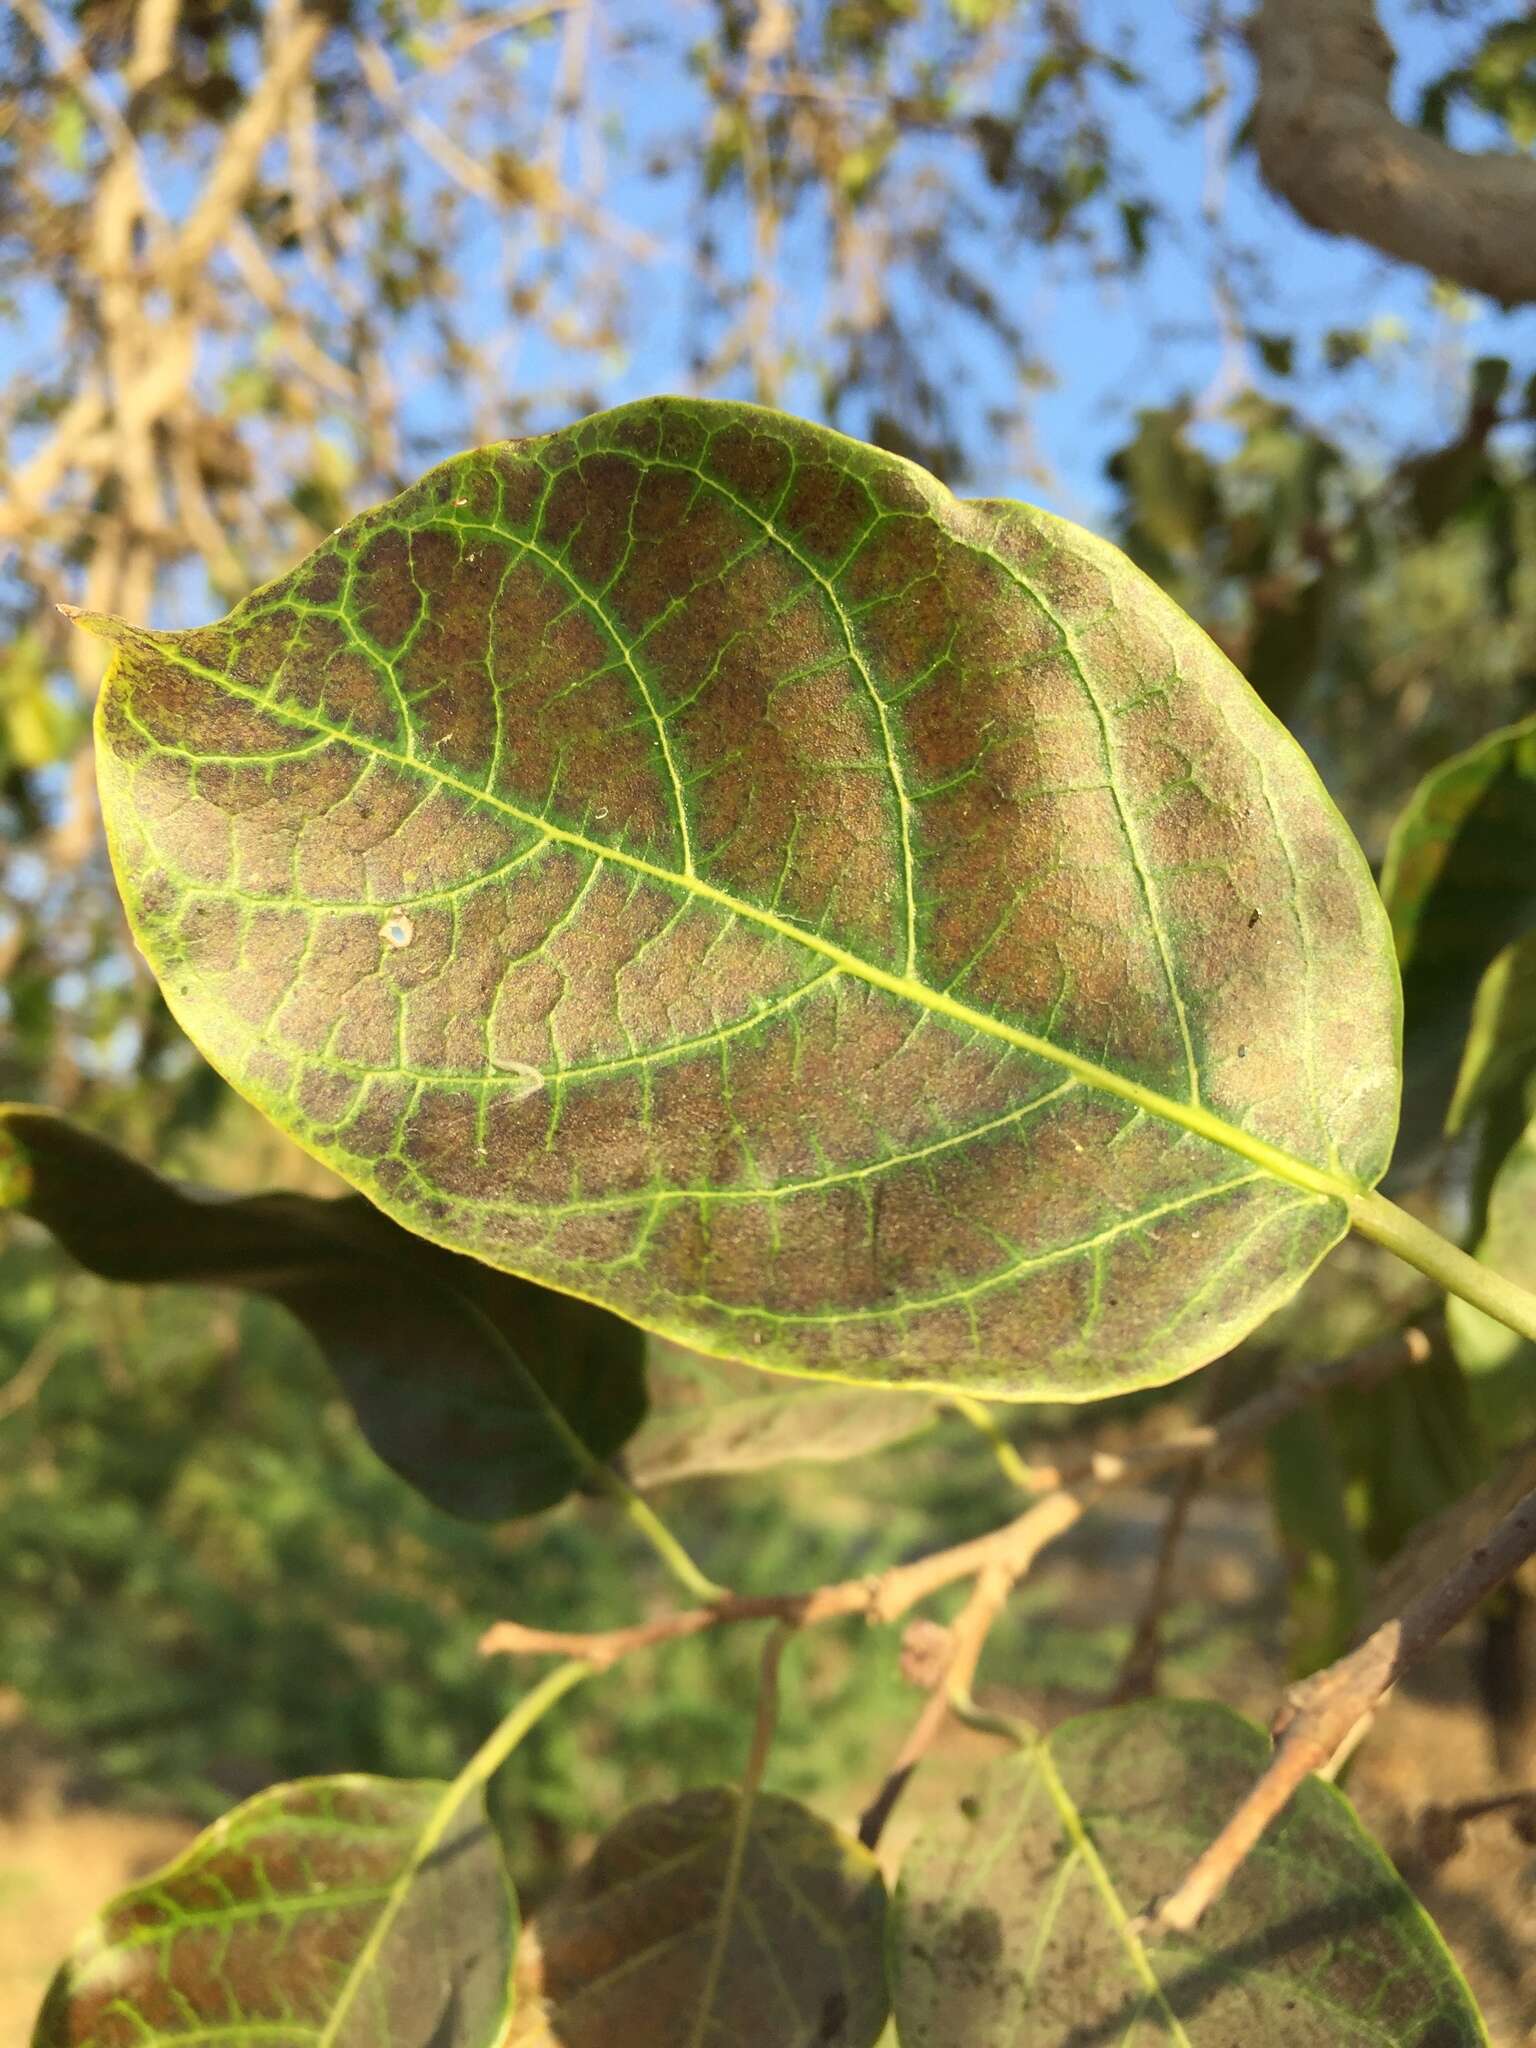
pixel 1330 145
pixel 1068 1491
pixel 1320 1713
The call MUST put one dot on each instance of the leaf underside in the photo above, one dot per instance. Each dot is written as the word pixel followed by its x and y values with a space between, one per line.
pixel 1011 1923
pixel 300 1921
pixel 633 1951
pixel 694 861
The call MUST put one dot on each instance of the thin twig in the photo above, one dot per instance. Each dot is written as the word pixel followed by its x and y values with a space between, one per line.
pixel 889 1595
pixel 1138 1670
pixel 1320 1713
pixel 763 1728
pixel 884 1597
pixel 967 1639
pixel 26 1382
pixel 1247 1424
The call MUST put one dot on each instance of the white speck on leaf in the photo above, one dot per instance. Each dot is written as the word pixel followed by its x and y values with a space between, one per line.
pixel 525 1080
pixel 397 930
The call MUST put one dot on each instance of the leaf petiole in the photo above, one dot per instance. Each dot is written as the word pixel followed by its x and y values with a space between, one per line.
pixel 638 1512
pixel 1444 1263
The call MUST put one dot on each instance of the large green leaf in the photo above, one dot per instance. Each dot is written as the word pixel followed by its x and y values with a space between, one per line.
pixel 344 1912
pixel 694 861
pixel 1459 883
pixel 450 1367
pixel 1012 1920
pixel 635 1951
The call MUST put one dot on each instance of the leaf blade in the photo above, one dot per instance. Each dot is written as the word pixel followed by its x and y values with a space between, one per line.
pixel 953 1219
pixel 634 1950
pixel 274 1923
pixel 1014 1919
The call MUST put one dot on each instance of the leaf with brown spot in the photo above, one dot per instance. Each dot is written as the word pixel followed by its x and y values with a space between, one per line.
pixel 633 1950
pixel 344 1912
pixel 450 1367
pixel 1012 1919
pixel 694 861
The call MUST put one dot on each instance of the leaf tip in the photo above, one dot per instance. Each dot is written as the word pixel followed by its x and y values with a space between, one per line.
pixel 100 625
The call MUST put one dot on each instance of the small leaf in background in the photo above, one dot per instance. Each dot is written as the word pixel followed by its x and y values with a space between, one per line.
pixel 353 1912
pixel 442 1359
pixel 35 728
pixel 1500 1052
pixel 1508 1244
pixel 625 1955
pixel 1459 882
pixel 694 861
pixel 820 1425
pixel 1011 1920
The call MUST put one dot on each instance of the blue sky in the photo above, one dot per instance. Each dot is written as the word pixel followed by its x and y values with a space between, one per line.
pixel 1114 346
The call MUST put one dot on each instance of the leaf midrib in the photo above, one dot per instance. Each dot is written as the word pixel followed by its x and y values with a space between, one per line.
pixel 1192 1117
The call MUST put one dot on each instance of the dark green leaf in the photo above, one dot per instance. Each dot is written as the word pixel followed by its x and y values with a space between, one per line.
pixel 345 1912
pixel 1010 1923
pixel 696 862
pixel 448 1364
pixel 634 1953
pixel 1460 884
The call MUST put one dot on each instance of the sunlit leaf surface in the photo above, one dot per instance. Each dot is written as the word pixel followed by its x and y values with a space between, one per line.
pixel 1011 1923
pixel 307 1918
pixel 694 861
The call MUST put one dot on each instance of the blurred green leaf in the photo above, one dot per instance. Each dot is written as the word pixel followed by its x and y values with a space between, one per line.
pixel 1501 1043
pixel 1011 1920
pixel 1459 883
pixel 449 1366
pixel 35 729
pixel 1508 1244
pixel 349 1912
pixel 819 1425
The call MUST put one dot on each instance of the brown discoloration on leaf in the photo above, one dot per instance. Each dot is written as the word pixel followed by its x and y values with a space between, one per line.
pixel 1011 1920
pixel 625 1952
pixel 297 1915
pixel 697 873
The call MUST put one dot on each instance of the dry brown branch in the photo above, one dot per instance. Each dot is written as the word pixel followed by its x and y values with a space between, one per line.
pixel 1138 1670
pixel 289 57
pixel 540 188
pixel 1330 144
pixel 885 1596
pixel 1320 1713
pixel 1012 1548
pixel 1248 1424
pixel 967 1639
pixel 469 35
pixel 66 53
